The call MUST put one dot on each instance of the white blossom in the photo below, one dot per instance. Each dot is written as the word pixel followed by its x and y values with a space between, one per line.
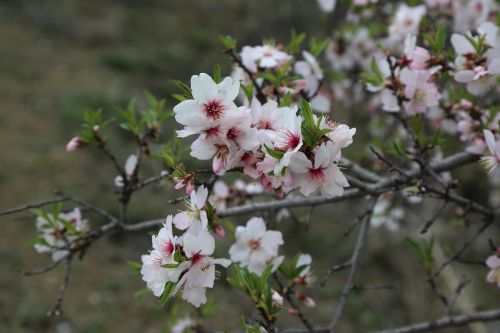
pixel 255 247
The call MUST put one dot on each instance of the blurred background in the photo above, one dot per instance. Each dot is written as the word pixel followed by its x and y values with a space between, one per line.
pixel 58 58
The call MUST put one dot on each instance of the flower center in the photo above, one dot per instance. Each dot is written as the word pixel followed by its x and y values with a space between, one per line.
pixel 214 109
pixel 290 141
pixel 233 133
pixel 317 175
pixel 268 53
pixel 420 95
pixel 265 125
pixel 408 22
pixel 212 132
pixel 247 159
pixel 254 244
pixel 197 258
pixel 169 248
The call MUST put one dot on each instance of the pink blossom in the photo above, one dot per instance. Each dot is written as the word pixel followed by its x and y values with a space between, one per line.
pixel 320 175
pixel 421 93
pixel 264 56
pixel 198 271
pixel 153 271
pixel 416 57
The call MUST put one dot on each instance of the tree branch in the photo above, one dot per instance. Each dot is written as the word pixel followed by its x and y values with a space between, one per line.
pixel 349 284
pixel 447 321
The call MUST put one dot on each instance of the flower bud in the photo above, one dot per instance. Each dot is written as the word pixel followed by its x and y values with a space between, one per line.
pixel 219 231
pixel 309 302
pixel 75 143
pixel 277 299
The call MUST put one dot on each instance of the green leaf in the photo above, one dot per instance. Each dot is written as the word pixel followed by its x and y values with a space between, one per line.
pixel 136 266
pixel 286 100
pixel 437 41
pixel 178 257
pixel 217 73
pixel 295 41
pixel 183 87
pixel 248 90
pixel 228 42
pixel 167 292
pixel 317 47
pixel 376 70
pixel 139 295
pixel 274 153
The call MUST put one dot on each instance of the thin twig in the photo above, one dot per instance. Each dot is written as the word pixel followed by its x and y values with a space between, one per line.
pixel 447 321
pixel 33 205
pixel 42 270
pixel 57 308
pixel 434 218
pixel 352 273
pixel 287 292
pixel 333 269
pixel 464 247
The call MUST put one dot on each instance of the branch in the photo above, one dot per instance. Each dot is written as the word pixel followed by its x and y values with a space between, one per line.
pixel 359 171
pixel 382 185
pixel 443 322
pixel 91 207
pixel 33 205
pixel 42 270
pixel 149 181
pixel 333 269
pixel 287 293
pixel 464 247
pixel 349 284
pixel 56 309
pixel 447 321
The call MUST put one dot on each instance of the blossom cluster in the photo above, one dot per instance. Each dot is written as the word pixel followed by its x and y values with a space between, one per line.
pixel 409 83
pixel 274 144
pixel 184 264
pixel 269 59
pixel 406 83
pixel 477 61
pixel 59 231
pixel 181 264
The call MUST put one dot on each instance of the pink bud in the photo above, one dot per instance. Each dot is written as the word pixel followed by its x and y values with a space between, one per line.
pixel 75 143
pixel 292 312
pixel 180 184
pixel 219 231
pixel 218 165
pixel 190 188
pixel 96 128
pixel 465 103
pixel 300 84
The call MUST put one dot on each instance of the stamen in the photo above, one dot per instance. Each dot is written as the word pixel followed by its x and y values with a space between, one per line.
pixel 214 109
